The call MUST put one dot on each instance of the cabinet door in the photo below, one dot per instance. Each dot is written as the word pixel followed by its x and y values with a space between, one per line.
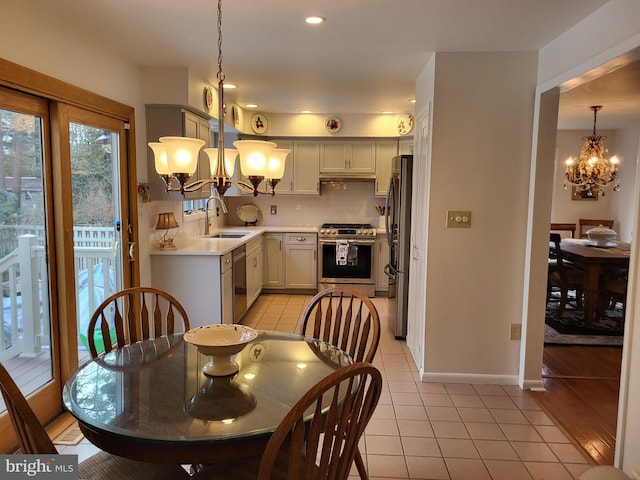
pixel 254 275
pixel 285 185
pixel 362 157
pixel 333 157
pixel 198 127
pixel 300 266
pixel 385 151
pixel 405 147
pixel 382 259
pixel 305 168
pixel 273 261
pixel 227 296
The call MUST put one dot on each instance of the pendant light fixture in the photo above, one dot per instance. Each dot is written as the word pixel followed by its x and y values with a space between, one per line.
pixel 176 158
pixel 593 171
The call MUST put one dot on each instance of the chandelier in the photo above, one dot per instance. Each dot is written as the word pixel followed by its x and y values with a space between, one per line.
pixel 176 158
pixel 593 171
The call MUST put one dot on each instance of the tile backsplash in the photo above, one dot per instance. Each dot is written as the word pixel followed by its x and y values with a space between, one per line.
pixel 351 201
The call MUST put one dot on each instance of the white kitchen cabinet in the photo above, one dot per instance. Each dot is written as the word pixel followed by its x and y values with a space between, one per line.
pixel 170 120
pixel 301 261
pixel 382 259
pixel 199 283
pixel 385 151
pixel 305 167
pixel 355 157
pixel 285 185
pixel 405 146
pixel 274 260
pixel 254 265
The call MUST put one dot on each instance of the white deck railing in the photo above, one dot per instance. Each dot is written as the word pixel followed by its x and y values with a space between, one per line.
pixel 25 288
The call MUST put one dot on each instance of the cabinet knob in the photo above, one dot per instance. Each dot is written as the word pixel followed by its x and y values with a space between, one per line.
pixel 302 239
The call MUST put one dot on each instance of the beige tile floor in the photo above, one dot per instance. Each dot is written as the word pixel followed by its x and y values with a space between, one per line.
pixel 438 431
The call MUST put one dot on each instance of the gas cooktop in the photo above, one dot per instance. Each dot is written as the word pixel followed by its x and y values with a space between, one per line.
pixel 347 230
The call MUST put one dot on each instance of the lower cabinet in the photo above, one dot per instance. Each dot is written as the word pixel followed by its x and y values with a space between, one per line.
pixel 382 259
pixel 254 270
pixel 273 260
pixel 290 261
pixel 301 260
pixel 201 283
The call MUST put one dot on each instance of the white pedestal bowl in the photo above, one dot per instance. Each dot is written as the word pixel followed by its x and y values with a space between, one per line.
pixel 220 342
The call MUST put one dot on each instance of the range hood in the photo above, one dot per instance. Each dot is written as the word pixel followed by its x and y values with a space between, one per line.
pixel 347 177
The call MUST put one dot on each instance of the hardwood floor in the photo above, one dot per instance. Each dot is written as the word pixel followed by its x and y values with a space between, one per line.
pixel 582 386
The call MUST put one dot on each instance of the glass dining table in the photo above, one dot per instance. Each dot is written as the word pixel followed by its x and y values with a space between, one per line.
pixel 151 401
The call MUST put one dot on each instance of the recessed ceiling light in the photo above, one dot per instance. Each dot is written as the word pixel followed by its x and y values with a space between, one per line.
pixel 306 111
pixel 412 100
pixel 386 112
pixel 315 19
pixel 229 85
pixel 252 105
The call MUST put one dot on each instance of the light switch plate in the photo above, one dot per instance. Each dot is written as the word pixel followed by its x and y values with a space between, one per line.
pixel 458 218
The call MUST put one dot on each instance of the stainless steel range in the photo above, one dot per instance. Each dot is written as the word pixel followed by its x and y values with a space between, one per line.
pixel 346 256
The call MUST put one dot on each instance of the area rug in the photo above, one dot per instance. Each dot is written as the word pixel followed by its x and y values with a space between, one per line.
pixel 571 330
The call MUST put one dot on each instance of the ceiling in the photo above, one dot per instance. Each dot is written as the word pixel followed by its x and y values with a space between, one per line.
pixel 363 60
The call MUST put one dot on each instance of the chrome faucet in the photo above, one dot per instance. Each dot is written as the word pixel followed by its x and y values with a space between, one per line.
pixel 214 196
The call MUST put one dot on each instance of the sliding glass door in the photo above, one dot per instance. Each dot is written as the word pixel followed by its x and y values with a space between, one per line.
pixel 27 338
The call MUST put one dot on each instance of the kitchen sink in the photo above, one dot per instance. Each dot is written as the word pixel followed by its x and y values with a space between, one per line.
pixel 228 235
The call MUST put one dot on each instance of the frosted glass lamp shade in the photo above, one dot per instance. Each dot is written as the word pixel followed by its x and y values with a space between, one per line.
pixel 230 155
pixel 182 153
pixel 254 156
pixel 160 158
pixel 275 167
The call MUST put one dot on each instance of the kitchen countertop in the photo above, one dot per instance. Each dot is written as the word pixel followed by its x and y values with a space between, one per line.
pixel 220 246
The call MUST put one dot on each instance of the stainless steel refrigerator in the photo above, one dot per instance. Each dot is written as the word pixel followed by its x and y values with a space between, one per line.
pixel 398 225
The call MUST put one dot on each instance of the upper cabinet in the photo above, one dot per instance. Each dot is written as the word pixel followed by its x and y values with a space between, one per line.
pixel 385 151
pixel 169 120
pixel 357 157
pixel 305 167
pixel 285 185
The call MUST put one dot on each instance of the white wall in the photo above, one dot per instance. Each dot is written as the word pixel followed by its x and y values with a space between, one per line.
pixel 482 120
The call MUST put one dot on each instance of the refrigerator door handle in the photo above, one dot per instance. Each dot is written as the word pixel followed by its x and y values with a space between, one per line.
pixel 387 210
pixel 390 271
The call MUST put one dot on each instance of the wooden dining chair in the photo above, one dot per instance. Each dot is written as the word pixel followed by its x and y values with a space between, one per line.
pixel 563 277
pixel 134 314
pixel 33 439
pixel 567 228
pixel 587 223
pixel 312 442
pixel 603 472
pixel 348 319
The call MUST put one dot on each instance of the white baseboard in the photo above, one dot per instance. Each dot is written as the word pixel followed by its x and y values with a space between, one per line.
pixel 434 377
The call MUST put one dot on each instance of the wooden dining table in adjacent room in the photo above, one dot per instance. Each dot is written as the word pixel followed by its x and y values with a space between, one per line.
pixel 151 401
pixel 594 261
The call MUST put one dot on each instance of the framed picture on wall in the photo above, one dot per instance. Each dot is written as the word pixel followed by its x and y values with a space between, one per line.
pixel 584 195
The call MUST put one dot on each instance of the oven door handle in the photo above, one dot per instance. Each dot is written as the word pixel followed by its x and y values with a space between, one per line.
pixel 356 242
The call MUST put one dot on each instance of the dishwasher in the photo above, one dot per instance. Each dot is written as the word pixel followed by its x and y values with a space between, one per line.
pixel 239 283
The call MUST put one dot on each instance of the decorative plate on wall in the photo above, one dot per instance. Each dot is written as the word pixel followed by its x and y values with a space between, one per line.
pixel 249 214
pixel 404 124
pixel 333 124
pixel 235 114
pixel 208 97
pixel 259 123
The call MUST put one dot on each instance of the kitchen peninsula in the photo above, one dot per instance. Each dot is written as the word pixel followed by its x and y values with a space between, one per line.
pixel 218 277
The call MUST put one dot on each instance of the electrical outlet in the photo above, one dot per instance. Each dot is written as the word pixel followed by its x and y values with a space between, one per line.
pixel 274 209
pixel 515 331
pixel 217 211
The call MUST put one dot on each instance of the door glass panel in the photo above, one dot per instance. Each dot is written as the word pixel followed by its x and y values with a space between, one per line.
pixel 95 164
pixel 25 337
